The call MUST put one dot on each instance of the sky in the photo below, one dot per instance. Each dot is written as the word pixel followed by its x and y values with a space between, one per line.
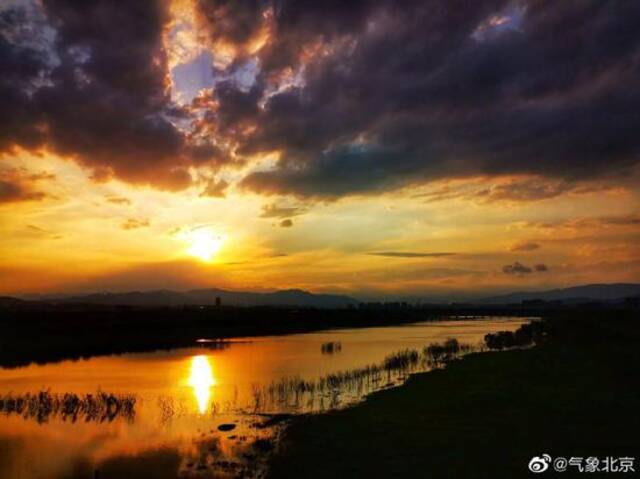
pixel 381 148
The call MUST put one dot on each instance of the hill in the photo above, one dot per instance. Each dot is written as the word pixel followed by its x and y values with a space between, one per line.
pixel 206 297
pixel 588 292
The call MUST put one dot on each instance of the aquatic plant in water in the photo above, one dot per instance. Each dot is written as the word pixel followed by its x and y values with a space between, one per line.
pixel 331 347
pixel 298 394
pixel 42 406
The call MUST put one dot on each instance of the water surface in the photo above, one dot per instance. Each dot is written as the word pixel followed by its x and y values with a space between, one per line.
pixel 183 396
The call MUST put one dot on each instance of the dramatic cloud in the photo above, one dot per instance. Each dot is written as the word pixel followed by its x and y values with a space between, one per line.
pixel 524 246
pixel 12 192
pixel 215 189
pixel 286 223
pixel 404 93
pixel 411 254
pixel 352 97
pixel 17 185
pixel 91 84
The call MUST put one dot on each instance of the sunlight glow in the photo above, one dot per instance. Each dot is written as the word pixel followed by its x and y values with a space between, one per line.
pixel 204 243
pixel 201 380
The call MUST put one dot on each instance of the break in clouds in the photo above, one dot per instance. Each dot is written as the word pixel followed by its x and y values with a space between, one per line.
pixel 355 97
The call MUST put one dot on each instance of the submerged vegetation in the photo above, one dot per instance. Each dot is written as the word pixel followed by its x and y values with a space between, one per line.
pixel 41 406
pixel 331 347
pixel 343 387
pixel 336 389
pixel 293 393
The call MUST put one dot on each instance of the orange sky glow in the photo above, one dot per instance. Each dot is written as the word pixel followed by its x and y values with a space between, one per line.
pixel 236 203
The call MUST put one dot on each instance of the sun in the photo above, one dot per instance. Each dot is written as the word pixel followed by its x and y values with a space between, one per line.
pixel 203 242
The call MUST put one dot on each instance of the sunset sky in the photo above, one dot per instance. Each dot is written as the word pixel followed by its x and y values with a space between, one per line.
pixel 375 148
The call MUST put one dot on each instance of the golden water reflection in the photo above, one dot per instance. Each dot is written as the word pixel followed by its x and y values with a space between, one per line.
pixel 201 380
pixel 175 390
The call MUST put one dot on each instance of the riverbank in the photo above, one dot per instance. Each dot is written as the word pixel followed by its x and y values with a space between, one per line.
pixel 576 394
pixel 41 333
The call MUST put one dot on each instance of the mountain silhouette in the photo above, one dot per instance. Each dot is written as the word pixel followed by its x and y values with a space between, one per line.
pixel 207 297
pixel 588 292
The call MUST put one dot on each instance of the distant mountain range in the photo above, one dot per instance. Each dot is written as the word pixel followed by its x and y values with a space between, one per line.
pixel 300 298
pixel 289 297
pixel 576 294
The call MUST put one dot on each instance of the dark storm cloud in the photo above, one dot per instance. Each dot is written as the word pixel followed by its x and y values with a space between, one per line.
pixel 109 107
pixel 410 254
pixel 359 96
pixel 230 20
pixel 94 89
pixel 410 94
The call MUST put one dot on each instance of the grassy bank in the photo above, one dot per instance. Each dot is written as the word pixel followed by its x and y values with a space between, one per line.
pixel 577 394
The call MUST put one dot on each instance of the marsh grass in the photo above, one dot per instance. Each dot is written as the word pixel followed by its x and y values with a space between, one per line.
pixel 41 406
pixel 334 389
pixel 437 354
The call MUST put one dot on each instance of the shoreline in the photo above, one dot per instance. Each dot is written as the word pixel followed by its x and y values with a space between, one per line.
pixel 485 415
pixel 47 336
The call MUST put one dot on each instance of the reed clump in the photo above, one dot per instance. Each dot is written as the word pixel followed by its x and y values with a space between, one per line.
pixel 401 361
pixel 439 353
pixel 42 406
pixel 295 392
pixel 331 347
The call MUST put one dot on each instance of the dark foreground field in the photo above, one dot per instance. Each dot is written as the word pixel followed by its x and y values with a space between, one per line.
pixel 577 394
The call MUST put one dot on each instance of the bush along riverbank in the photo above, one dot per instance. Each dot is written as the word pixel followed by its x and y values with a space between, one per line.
pixel 575 394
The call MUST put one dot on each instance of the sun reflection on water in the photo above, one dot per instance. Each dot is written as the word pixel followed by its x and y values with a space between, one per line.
pixel 201 380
